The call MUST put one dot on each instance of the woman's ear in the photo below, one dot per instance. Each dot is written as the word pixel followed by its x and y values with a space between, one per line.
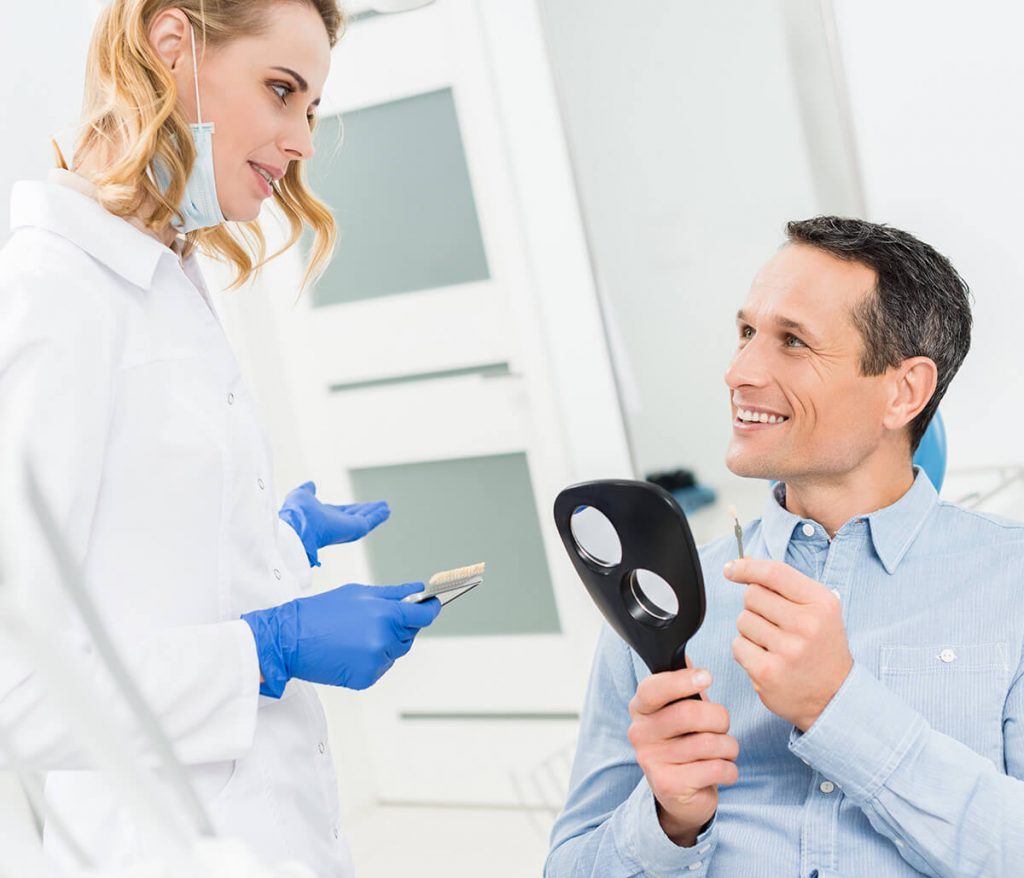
pixel 914 383
pixel 169 35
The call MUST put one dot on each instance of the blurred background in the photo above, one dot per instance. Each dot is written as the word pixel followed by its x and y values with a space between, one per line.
pixel 550 212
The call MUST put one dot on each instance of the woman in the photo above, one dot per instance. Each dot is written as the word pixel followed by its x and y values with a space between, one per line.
pixel 118 382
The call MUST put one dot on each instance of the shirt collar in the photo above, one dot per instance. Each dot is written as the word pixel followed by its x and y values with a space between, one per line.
pixel 893 529
pixel 65 205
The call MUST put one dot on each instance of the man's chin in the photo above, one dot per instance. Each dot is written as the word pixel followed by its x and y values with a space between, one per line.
pixel 748 466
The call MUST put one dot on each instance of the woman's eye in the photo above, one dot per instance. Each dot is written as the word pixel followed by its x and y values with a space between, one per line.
pixel 285 90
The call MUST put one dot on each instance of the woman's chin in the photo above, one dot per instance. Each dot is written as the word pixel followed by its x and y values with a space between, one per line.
pixel 242 213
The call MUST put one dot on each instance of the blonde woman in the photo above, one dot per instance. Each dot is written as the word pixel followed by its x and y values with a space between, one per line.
pixel 116 378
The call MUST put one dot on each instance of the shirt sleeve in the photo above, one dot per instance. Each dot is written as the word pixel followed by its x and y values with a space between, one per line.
pixel 610 825
pixel 948 810
pixel 59 348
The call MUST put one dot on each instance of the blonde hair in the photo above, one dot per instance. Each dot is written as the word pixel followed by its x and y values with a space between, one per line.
pixel 131 110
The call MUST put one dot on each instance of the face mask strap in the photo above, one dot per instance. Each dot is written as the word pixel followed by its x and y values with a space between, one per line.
pixel 195 75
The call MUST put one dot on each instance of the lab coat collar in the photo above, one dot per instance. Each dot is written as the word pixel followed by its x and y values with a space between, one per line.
pixel 893 529
pixel 63 206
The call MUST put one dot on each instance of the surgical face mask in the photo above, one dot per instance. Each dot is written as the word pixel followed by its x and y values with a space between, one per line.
pixel 199 207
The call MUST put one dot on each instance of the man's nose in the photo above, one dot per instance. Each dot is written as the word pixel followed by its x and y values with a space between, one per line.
pixel 747 367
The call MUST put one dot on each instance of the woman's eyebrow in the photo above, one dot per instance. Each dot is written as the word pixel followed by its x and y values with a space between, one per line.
pixel 303 85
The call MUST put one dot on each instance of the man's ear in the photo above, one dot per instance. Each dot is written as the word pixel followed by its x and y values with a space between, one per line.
pixel 914 383
pixel 169 35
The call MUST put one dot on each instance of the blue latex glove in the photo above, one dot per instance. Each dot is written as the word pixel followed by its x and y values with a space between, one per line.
pixel 321 524
pixel 348 636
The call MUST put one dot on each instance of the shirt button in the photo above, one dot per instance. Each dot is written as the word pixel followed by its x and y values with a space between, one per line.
pixel 321 747
pixel 827 786
pixel 947 655
pixel 695 866
pixel 808 530
pixel 703 849
pixel 277 573
pixel 260 483
pixel 899 842
pixel 835 591
pixel 231 399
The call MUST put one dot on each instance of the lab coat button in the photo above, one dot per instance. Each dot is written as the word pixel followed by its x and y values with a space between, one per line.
pixel 827 787
pixel 260 483
pixel 322 747
pixel 231 399
pixel 277 573
pixel 336 833
pixel 808 530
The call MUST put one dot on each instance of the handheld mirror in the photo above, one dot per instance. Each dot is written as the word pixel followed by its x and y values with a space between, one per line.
pixel 632 547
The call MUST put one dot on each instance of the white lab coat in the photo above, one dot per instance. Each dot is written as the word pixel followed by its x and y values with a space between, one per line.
pixel 116 375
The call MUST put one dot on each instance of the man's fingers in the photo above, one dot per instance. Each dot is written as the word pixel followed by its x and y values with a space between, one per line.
pixel 657 690
pixel 681 718
pixel 759 630
pixel 776 576
pixel 698 747
pixel 748 654
pixel 771 606
pixel 688 779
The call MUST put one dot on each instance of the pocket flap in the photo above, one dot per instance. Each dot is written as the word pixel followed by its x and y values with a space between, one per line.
pixel 943 658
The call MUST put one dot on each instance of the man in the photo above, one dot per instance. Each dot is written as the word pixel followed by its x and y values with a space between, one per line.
pixel 866 653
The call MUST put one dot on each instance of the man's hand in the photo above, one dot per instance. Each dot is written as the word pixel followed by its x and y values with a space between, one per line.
pixel 683 749
pixel 791 640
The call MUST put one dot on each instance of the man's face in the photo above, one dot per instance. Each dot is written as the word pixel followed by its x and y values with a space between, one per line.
pixel 797 363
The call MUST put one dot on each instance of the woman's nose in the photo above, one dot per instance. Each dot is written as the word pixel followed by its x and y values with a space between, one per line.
pixel 298 142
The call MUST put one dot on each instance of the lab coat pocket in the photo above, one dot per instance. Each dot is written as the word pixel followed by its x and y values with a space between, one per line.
pixel 960 689
pixel 211 779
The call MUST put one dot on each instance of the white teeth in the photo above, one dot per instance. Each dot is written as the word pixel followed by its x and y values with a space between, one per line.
pixel 266 176
pixel 759 417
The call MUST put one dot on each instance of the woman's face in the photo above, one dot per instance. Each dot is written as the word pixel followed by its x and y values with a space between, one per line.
pixel 261 93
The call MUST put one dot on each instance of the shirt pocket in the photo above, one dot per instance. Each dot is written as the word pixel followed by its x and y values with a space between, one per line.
pixel 959 688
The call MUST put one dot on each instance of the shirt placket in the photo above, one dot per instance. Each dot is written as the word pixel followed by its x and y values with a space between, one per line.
pixel 819 836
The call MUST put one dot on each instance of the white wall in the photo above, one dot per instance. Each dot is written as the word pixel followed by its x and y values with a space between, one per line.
pixel 690 152
pixel 936 90
pixel 689 156
pixel 42 66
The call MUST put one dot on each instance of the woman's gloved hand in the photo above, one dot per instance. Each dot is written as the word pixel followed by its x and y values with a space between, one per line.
pixel 348 636
pixel 321 524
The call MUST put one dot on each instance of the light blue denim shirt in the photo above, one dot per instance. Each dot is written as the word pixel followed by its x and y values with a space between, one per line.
pixel 913 768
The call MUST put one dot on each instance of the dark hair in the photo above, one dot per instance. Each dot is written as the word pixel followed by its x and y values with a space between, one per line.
pixel 920 306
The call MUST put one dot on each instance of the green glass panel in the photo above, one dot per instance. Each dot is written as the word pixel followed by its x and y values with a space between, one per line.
pixel 395 177
pixel 453 513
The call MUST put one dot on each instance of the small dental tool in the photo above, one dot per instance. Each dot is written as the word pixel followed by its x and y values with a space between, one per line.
pixel 738 530
pixel 449 584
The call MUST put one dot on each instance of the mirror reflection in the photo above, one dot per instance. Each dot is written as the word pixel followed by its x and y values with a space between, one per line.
pixel 653 595
pixel 596 537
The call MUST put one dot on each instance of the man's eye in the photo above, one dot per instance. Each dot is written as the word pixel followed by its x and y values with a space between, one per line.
pixel 746 332
pixel 793 342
